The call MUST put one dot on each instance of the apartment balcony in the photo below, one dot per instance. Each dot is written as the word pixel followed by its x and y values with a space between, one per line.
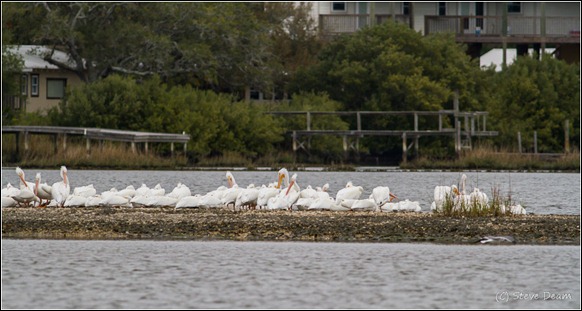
pixel 336 24
pixel 469 29
pixel 520 29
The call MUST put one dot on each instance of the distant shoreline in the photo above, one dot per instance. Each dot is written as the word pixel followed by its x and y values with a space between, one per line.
pixel 327 226
pixel 309 169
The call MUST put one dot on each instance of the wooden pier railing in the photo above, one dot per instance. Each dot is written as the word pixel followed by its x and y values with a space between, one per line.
pixel 94 134
pixel 475 125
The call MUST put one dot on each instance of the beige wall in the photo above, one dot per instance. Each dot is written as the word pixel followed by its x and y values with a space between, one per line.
pixel 40 103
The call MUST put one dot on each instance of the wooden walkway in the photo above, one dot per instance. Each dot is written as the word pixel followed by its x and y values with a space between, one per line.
pixel 475 125
pixel 94 134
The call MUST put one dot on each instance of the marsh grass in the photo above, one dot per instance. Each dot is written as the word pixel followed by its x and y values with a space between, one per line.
pixel 498 206
pixel 490 159
pixel 42 153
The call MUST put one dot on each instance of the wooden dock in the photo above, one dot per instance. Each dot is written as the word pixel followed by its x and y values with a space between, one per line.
pixel 94 134
pixel 475 125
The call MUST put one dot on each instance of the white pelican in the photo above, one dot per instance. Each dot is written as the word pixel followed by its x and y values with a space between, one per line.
pixel 382 195
pixel 479 198
pixel 306 197
pixel 62 189
pixel 9 190
pixel 283 178
pixel 409 206
pixel 180 191
pixel 26 194
pixel 287 197
pixel 247 197
pixel 265 193
pixel 229 196
pixel 390 207
pixel 93 201
pixel 189 201
pixel 461 201
pixel 211 200
pixel 517 209
pixel 365 205
pixel 157 190
pixel 75 200
pixel 349 192
pixel 325 202
pixel 85 191
pixel 139 200
pixel 161 201
pixel 441 195
pixel 128 192
pixel 143 190
pixel 23 182
pixel 8 202
pixel 323 188
pixel 43 191
pixel 114 200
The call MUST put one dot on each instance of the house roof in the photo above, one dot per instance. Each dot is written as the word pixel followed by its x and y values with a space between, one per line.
pixel 33 57
pixel 495 57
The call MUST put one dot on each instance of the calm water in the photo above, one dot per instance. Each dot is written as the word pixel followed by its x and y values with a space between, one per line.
pixel 539 193
pixel 55 274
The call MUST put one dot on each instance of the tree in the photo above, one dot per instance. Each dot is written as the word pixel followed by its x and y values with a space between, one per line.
pixel 226 47
pixel 392 67
pixel 536 95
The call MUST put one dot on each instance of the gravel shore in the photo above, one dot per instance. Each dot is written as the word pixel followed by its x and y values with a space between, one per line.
pixel 223 224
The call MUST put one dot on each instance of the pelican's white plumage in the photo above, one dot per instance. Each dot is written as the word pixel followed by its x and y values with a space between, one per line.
pixel 114 200
pixel 143 190
pixel 247 197
pixel 287 197
pixel 180 191
pixel 189 201
pixel 229 195
pixel 350 192
pixel 364 205
pixel 8 202
pixel 161 201
pixel 128 192
pixel 382 195
pixel 23 182
pixel 479 198
pixel 409 206
pixel 61 190
pixel 26 193
pixel 265 193
pixel 441 193
pixel 75 200
pixel 9 190
pixel 43 191
pixel 157 190
pixel 85 191
pixel 139 200
pixel 93 201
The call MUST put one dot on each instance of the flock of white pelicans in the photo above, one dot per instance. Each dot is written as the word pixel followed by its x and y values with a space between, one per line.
pixel 283 194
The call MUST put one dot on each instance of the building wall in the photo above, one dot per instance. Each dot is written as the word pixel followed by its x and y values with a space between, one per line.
pixel 41 103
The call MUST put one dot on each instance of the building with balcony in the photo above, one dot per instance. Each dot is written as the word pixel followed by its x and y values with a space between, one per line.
pixel 522 25
pixel 42 84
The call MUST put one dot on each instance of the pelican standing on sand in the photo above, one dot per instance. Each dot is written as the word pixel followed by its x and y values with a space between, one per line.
pixel 43 191
pixel 61 189
pixel 26 193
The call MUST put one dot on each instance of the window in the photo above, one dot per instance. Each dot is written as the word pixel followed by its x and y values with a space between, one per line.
pixel 55 88
pixel 514 7
pixel 442 8
pixel 406 8
pixel 24 85
pixel 338 6
pixel 34 85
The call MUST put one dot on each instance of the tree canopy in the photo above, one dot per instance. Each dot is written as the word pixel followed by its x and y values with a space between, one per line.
pixel 173 67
